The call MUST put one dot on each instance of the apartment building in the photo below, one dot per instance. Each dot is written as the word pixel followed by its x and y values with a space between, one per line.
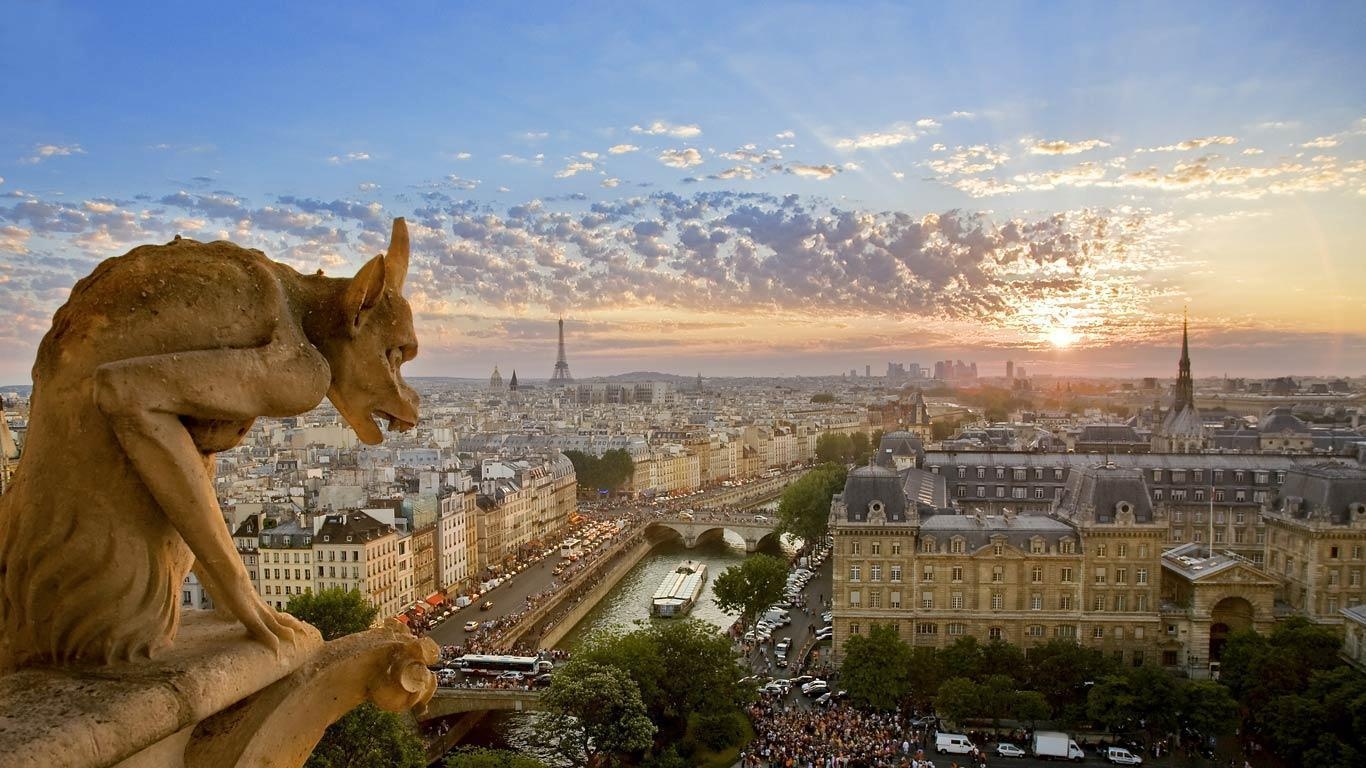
pixel 354 551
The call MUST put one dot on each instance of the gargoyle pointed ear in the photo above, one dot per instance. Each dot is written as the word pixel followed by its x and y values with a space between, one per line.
pixel 364 291
pixel 396 260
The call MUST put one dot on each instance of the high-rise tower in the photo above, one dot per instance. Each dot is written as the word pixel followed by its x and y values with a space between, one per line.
pixel 561 376
pixel 1185 388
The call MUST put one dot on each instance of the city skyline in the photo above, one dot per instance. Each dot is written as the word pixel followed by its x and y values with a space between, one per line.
pixel 736 191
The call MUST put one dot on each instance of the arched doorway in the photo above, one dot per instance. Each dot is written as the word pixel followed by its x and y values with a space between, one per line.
pixel 1230 615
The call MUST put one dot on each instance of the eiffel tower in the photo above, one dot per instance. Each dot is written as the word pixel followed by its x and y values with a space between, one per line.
pixel 561 376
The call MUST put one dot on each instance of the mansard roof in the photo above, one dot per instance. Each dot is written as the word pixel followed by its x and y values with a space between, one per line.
pixel 873 490
pixel 1105 494
pixel 1330 493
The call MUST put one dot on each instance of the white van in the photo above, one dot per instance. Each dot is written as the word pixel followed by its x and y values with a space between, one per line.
pixel 1122 756
pixel 953 743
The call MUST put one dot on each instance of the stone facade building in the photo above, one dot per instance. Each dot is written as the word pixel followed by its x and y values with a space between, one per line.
pixel 286 563
pixel 1316 541
pixel 354 551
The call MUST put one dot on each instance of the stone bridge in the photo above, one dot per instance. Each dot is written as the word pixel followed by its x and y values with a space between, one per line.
pixel 455 701
pixel 706 526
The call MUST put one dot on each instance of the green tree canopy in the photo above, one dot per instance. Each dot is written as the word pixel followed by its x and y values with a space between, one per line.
pixel 594 718
pixel 750 587
pixel 876 668
pixel 368 737
pixel 610 472
pixel 804 510
pixel 335 612
pixel 822 397
pixel 483 757
pixel 958 699
pixel 834 448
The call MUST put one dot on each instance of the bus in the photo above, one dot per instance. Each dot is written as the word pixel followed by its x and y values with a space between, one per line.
pixel 569 548
pixel 479 664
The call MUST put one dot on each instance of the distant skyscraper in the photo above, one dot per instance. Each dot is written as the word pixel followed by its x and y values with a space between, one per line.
pixel 867 371
pixel 1010 370
pixel 561 376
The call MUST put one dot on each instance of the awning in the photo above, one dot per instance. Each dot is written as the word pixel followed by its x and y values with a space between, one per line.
pixel 436 598
pixel 403 617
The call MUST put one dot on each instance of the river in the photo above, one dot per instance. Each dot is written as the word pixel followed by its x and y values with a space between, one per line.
pixel 628 602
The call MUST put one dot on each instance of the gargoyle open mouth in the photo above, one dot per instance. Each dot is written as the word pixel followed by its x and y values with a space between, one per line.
pixel 394 422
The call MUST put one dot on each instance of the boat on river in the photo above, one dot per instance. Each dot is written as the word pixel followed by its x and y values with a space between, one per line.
pixel 680 589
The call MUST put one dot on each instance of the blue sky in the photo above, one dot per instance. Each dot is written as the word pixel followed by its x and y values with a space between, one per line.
pixel 730 188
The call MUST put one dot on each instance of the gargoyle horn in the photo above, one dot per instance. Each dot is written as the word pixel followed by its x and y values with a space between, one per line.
pixel 396 260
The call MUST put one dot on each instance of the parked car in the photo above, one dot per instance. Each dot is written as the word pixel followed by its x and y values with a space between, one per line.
pixel 471 625
pixel 486 605
pixel 1006 749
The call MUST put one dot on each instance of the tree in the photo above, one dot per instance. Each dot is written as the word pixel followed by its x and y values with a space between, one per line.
pixel 876 668
pixel 1001 658
pixel 963 657
pixel 681 668
pixel 1206 707
pixel 1112 705
pixel 957 699
pixel 1031 707
pixel 822 397
pixel 804 510
pixel 925 674
pixel 751 586
pixel 1060 670
pixel 860 447
pixel 335 612
pixel 834 448
pixel 996 696
pixel 368 737
pixel 483 757
pixel 593 718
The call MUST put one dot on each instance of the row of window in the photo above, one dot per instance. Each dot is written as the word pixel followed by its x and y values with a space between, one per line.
pixel 1024 474
pixel 1118 602
pixel 998 574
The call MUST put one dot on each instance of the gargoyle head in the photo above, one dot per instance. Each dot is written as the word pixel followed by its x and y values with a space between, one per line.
pixel 376 339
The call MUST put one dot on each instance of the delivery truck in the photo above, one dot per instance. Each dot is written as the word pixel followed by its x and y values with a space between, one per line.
pixel 1055 745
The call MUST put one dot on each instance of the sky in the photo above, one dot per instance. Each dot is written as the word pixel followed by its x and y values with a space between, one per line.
pixel 723 188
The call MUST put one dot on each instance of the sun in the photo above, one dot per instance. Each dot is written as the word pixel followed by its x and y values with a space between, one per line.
pixel 1062 337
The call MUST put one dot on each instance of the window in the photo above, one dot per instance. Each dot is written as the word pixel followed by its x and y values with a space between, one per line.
pixel 1000 473
pixel 956 601
pixel 981 491
pixel 960 491
pixel 998 574
pixel 1065 602
pixel 957 573
pixel 956 629
pixel 956 546
pixel 1219 494
pixel 1356 552
pixel 1121 575
pixel 1239 476
pixel 1199 516
pixel 1121 603
pixel 1018 492
pixel 1355 579
pixel 1036 574
pixel 1036 602
pixel 1038 473
pixel 855 548
pixel 1100 575
pixel 1123 550
pixel 1057 473
pixel 894 600
pixel 875 572
pixel 855 572
pixel 998 549
pixel 926 628
pixel 927 545
pixel 1141 602
pixel 1157 494
pixel 1098 633
pixel 855 598
pixel 896 548
pixel 1000 491
pixel 877 548
pixel 1332 578
pixel 1067 631
pixel 1332 553
pixel 875 598
pixel 995 633
pixel 1067 575
pixel 1035 630
pixel 997 601
pixel 1141 576
pixel 1198 536
pixel 1102 550
pixel 1199 494
pixel 1036 546
pixel 896 573
pixel 1239 536
pixel 927 573
pixel 1098 603
pixel 1038 493
pixel 981 472
pixel 1178 494
pixel 1019 473
pixel 1219 536
pixel 927 601
pixel 1198 475
pixel 1157 475
pixel 1218 475
pixel 853 628
pixel 1067 546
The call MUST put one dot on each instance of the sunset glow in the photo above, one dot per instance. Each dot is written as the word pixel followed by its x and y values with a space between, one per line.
pixel 704 190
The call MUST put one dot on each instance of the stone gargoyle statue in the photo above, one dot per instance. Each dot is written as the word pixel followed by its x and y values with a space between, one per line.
pixel 160 358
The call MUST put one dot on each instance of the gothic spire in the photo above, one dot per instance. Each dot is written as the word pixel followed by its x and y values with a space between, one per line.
pixel 1185 387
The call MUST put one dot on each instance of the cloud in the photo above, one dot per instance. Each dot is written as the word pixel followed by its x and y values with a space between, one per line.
pixel 898 175
pixel 459 183
pixel 960 115
pixel 367 186
pixel 937 147
pixel 621 149
pixel 1322 142
pixel 460 156
pixel 573 168
pixel 978 158
pixel 610 183
pixel 680 158
pixel 534 135
pixel 1252 151
pixel 45 151
pixel 535 160
pixel 1062 147
pixel 1190 144
pixel 926 122
pixel 900 133
pixel 750 154
pixel 661 128
pixel 821 172
pixel 785 135
pixel 349 157
pixel 14 239
pixel 746 172
pixel 1082 175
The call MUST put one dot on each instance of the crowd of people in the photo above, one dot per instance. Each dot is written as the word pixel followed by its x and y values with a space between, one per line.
pixel 832 737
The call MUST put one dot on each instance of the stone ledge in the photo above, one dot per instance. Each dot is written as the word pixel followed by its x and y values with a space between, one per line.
pixel 79 718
